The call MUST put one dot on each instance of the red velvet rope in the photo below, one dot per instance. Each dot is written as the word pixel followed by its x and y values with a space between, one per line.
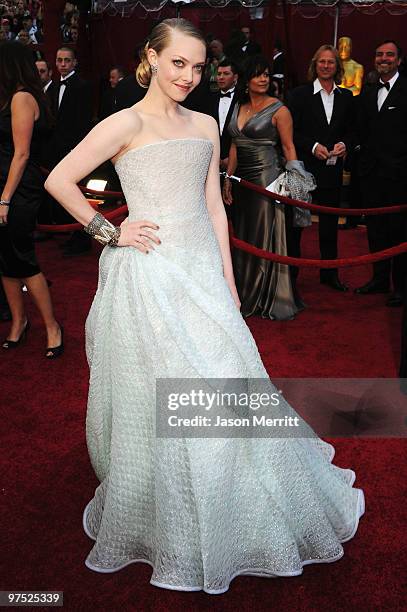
pixel 248 248
pixel 274 196
pixel 319 263
pixel 317 208
pixel 71 227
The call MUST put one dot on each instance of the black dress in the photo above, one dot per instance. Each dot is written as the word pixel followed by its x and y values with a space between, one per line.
pixel 264 288
pixel 17 254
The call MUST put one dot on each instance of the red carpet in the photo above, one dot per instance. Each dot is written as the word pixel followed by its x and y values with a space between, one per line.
pixel 46 477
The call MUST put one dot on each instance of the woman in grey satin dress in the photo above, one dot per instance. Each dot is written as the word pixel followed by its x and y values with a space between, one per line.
pixel 261 128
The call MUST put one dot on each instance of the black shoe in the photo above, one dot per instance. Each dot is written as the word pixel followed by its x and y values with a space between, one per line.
pixel 347 226
pixel 395 300
pixel 10 344
pixel 373 286
pixel 335 283
pixel 56 351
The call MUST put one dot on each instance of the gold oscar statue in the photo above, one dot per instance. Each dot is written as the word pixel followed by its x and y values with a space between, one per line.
pixel 353 72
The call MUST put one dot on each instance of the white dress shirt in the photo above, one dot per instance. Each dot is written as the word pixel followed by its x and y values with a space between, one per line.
pixel 63 88
pixel 327 100
pixel 223 109
pixel 383 92
pixel 45 88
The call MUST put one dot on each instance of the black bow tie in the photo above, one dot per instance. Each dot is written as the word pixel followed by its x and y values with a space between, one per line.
pixel 385 85
pixel 64 81
pixel 228 94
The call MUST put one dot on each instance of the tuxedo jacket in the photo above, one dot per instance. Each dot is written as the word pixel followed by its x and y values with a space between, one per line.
pixel 127 93
pixel 213 110
pixel 311 126
pixel 382 134
pixel 73 118
pixel 253 48
pixel 50 93
pixel 47 155
pixel 199 98
pixel 107 103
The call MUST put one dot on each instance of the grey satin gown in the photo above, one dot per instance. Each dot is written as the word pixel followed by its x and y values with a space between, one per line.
pixel 264 288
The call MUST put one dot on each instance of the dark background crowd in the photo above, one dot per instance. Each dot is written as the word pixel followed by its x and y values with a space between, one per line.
pixel 23 21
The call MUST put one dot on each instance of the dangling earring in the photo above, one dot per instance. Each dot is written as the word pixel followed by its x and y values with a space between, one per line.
pixel 246 89
pixel 154 69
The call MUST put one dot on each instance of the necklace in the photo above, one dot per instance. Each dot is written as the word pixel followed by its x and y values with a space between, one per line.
pixel 253 110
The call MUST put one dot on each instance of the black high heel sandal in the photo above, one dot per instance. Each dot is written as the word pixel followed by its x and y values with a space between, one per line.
pixel 56 351
pixel 10 344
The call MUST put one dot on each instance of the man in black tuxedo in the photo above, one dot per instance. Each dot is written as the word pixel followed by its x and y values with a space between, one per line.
pixel 249 47
pixel 323 133
pixel 382 123
pixel 221 105
pixel 45 73
pixel 72 106
pixel 108 98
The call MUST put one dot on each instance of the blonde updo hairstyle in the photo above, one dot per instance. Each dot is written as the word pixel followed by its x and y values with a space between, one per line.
pixel 159 39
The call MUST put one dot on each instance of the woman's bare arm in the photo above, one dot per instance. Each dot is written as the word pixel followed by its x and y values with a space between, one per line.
pixel 284 124
pixel 24 109
pixel 231 168
pixel 217 210
pixel 106 141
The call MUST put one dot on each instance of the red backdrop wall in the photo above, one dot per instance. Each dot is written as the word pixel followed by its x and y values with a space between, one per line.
pixel 366 31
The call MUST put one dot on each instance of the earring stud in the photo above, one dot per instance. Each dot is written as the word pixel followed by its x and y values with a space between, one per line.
pixel 154 69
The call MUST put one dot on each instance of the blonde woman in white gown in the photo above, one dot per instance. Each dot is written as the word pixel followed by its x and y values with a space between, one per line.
pixel 200 512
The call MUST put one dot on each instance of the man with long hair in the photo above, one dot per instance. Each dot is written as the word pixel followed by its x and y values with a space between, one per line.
pixel 323 133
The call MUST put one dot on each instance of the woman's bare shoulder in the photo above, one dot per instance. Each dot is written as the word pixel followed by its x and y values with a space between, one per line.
pixel 23 98
pixel 206 123
pixel 283 110
pixel 121 127
pixel 128 117
pixel 24 105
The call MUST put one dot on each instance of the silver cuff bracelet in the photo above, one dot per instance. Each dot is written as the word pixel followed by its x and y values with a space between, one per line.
pixel 103 231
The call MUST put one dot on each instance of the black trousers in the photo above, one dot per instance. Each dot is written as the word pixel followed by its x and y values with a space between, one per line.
pixel 403 361
pixel 355 192
pixel 327 230
pixel 386 231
